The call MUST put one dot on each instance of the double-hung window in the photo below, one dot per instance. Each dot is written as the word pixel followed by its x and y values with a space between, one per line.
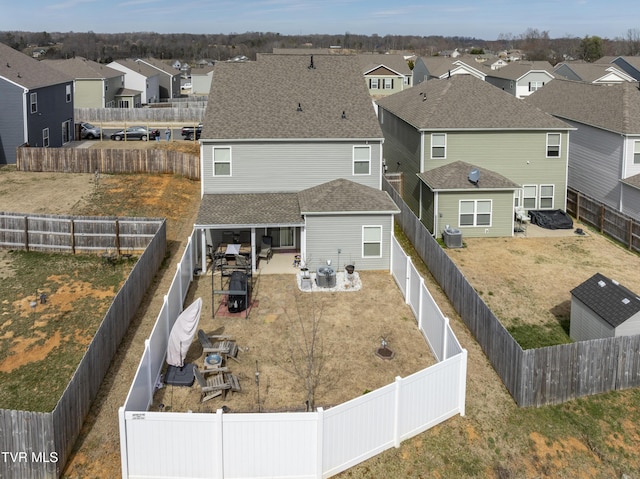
pixel 45 137
pixel 529 197
pixel 553 145
pixel 636 152
pixel 475 212
pixel 388 84
pixel 546 196
pixel 221 161
pixel 373 83
pixel 438 145
pixel 68 93
pixel 362 160
pixel 535 85
pixel 33 99
pixel 372 241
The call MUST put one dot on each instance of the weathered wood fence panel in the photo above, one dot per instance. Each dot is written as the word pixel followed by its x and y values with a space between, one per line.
pixel 178 112
pixel 611 222
pixel 92 160
pixel 533 377
pixel 42 442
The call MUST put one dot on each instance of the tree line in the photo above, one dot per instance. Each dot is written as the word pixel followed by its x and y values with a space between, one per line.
pixel 106 47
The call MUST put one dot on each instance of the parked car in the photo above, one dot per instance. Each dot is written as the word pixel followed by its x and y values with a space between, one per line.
pixel 131 133
pixel 88 131
pixel 187 132
pixel 187 86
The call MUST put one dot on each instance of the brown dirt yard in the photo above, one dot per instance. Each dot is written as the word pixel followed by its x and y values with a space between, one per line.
pixel 588 438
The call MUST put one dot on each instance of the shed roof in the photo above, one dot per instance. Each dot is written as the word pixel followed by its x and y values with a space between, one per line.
pixel 23 70
pixel 466 102
pixel 455 176
pixel 283 97
pixel 608 299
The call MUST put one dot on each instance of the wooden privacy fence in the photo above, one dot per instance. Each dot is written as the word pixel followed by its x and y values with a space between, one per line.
pixel 608 221
pixel 533 377
pixel 183 112
pixel 75 234
pixel 37 444
pixel 92 160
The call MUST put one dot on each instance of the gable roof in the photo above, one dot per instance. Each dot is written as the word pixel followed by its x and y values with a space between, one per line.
pixel 137 67
pixel 465 102
pixel 455 176
pixel 441 66
pixel 608 299
pixel 344 196
pixel 395 62
pixel 259 100
pixel 593 72
pixel 610 107
pixel 517 70
pixel 159 65
pixel 23 70
pixel 82 69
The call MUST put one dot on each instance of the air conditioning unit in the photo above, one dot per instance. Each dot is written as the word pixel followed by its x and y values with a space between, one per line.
pixel 452 238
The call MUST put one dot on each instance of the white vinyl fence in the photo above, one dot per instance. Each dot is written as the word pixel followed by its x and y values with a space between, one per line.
pixel 316 444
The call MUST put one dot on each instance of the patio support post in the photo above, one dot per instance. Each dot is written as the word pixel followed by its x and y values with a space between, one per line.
pixel 203 237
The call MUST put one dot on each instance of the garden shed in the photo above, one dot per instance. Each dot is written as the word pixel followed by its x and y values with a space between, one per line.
pixel 603 308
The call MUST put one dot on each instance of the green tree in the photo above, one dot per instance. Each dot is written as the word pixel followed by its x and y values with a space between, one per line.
pixel 591 48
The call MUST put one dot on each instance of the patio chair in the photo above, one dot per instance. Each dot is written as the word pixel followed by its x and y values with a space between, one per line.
pixel 222 344
pixel 211 387
pixel 265 248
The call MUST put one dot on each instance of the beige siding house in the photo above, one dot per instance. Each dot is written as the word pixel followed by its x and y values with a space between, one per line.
pixel 385 74
pixel 441 130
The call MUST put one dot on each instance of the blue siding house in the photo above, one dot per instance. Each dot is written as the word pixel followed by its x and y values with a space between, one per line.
pixel 36 104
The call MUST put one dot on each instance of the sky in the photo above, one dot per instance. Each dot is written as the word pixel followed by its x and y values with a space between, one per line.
pixel 482 19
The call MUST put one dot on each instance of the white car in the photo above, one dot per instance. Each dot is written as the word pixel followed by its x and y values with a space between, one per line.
pixel 187 86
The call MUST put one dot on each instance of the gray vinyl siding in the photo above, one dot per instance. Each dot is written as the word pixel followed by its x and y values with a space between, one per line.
pixel 402 145
pixel 629 69
pixel 11 121
pixel 631 201
pixel 519 156
pixel 630 327
pixel 595 163
pixel 504 84
pixel 501 213
pixel 566 72
pixel 420 72
pixel 262 167
pixel 53 110
pixel 427 207
pixel 326 234
pixel 586 325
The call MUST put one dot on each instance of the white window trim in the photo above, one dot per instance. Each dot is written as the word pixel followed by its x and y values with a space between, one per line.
pixel 535 197
pixel 364 227
pixel 33 102
pixel 374 84
pixel 353 166
pixel 45 138
pixel 213 161
pixel 559 145
pixel 475 213
pixel 540 197
pixel 444 157
pixel 387 84
pixel 535 85
pixel 68 93
pixel 636 151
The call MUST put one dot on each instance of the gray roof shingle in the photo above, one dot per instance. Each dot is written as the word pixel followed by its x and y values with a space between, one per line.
pixel 259 209
pixel 516 70
pixel 259 100
pixel 342 196
pixel 610 107
pixel 395 62
pixel 455 176
pixel 608 299
pixel 19 68
pixel 81 68
pixel 590 72
pixel 465 102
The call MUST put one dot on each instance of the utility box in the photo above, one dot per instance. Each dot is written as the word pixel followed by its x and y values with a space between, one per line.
pixel 452 238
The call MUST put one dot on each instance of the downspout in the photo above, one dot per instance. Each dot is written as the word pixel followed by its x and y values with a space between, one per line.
pixel 623 173
pixel 566 174
pixel 25 122
pixel 436 223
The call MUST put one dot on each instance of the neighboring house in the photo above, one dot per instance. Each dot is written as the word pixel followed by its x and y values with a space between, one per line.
pixel 139 77
pixel 201 80
pixel 296 156
pixel 36 104
pixel 521 79
pixel 461 124
pixel 385 74
pixel 496 64
pixel 592 73
pixel 95 85
pixel 604 151
pixel 630 65
pixel 430 68
pixel 169 78
pixel 603 308
pixel 127 98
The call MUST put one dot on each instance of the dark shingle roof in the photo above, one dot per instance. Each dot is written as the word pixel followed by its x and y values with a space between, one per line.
pixel 259 100
pixel 250 209
pixel 611 107
pixel 19 68
pixel 81 68
pixel 344 196
pixel 608 299
pixel 516 70
pixel 395 62
pixel 465 102
pixel 455 176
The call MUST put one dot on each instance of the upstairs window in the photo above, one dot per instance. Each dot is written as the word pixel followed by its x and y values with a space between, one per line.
pixel 553 145
pixel 68 93
pixel 535 85
pixel 221 161
pixel 388 84
pixel 636 152
pixel 438 145
pixel 361 160
pixel 373 83
pixel 33 98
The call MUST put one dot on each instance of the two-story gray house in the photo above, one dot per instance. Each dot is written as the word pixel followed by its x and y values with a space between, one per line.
pixel 521 79
pixel 441 131
pixel 440 67
pixel 168 77
pixel 600 73
pixel 604 151
pixel 138 77
pixel 36 104
pixel 291 149
pixel 95 85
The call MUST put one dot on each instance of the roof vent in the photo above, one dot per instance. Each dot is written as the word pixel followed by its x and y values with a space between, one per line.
pixel 311 65
pixel 344 115
pixel 626 300
pixel 8 65
pixel 424 96
pixel 299 107
pixel 602 284
pixel 474 176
